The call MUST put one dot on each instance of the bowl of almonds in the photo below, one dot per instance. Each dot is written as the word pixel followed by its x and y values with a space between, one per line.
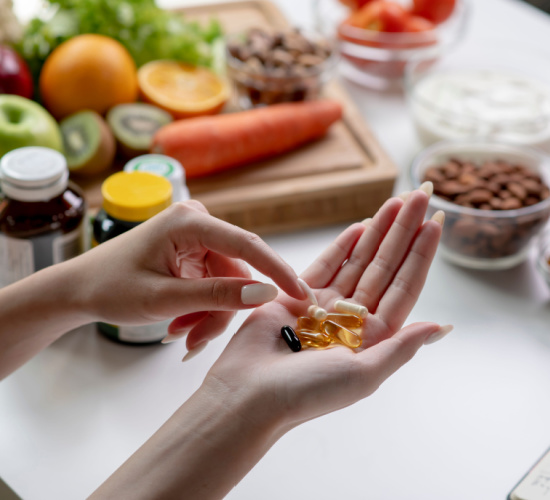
pixel 496 198
pixel 270 67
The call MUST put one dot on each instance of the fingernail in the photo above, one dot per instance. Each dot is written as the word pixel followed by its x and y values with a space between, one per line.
pixel 439 217
pixel 196 350
pixel 172 337
pixel 258 293
pixel 366 222
pixel 439 334
pixel 427 187
pixel 404 195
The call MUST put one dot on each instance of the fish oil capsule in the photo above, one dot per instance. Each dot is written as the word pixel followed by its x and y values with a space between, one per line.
pixel 347 337
pixel 349 321
pixel 318 340
pixel 288 333
pixel 309 324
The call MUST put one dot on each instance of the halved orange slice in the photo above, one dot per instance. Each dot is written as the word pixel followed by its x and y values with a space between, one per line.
pixel 181 89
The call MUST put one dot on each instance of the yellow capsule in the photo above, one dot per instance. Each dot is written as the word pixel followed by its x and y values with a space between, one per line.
pixel 311 324
pixel 318 340
pixel 347 337
pixel 349 321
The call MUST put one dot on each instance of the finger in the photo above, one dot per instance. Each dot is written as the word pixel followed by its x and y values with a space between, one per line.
pixel 232 241
pixel 220 265
pixel 346 280
pixel 391 252
pixel 378 362
pixel 182 325
pixel 177 297
pixel 321 272
pixel 213 325
pixel 402 294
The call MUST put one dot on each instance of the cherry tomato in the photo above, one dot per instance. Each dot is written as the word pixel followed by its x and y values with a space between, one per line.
pixel 380 15
pixel 416 24
pixel 436 11
pixel 393 17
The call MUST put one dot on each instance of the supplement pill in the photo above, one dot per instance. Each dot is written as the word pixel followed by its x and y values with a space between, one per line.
pixel 317 312
pixel 318 340
pixel 346 320
pixel 310 324
pixel 343 306
pixel 347 337
pixel 291 338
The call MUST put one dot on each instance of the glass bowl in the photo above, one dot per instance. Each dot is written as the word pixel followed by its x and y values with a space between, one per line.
pixel 377 59
pixel 543 255
pixel 260 81
pixel 484 238
pixel 487 89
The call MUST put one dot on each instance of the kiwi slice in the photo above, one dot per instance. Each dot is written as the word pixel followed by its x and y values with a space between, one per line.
pixel 88 143
pixel 134 126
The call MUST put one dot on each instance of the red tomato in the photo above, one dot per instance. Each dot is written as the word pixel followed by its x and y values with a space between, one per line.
pixel 436 11
pixel 393 17
pixel 416 24
pixel 380 15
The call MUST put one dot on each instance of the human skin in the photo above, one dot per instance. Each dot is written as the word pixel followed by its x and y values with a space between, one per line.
pixel 258 389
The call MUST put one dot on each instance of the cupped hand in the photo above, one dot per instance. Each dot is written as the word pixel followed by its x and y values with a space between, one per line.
pixel 382 264
pixel 182 264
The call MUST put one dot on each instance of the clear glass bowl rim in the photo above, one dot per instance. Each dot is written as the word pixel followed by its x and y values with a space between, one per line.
pixel 461 13
pixel 442 147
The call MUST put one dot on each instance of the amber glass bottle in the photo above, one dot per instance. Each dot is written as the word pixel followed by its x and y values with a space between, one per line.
pixel 41 214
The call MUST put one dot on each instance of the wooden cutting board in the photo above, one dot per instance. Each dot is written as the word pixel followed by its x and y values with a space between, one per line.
pixel 345 176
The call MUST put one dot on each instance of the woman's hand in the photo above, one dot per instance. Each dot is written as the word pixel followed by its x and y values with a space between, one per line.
pixel 382 264
pixel 130 279
pixel 258 389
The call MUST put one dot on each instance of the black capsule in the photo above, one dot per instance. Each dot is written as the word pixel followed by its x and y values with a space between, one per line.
pixel 291 338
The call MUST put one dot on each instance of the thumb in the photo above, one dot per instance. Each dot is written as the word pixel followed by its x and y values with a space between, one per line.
pixel 216 294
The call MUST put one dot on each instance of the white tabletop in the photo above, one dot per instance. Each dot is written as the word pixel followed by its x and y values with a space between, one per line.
pixel 464 420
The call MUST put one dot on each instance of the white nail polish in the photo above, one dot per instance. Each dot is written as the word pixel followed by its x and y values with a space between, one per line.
pixel 309 292
pixel 366 222
pixel 439 334
pixel 427 187
pixel 439 217
pixel 172 337
pixel 258 293
pixel 404 195
pixel 196 350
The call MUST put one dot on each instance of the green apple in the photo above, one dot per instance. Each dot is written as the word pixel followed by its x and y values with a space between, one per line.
pixel 25 123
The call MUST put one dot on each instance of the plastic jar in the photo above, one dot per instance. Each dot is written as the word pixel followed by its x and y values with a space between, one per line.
pixel 41 215
pixel 130 198
pixel 164 166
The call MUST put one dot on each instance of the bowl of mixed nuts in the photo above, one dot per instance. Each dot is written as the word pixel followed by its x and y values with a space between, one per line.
pixel 270 67
pixel 496 198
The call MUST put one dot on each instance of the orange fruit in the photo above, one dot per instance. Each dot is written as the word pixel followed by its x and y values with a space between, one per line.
pixel 182 90
pixel 91 72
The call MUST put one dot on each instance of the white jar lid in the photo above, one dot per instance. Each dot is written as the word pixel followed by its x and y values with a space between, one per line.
pixel 33 174
pixel 165 166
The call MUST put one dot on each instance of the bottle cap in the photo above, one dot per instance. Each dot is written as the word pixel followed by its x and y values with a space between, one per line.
pixel 135 196
pixel 164 166
pixel 33 174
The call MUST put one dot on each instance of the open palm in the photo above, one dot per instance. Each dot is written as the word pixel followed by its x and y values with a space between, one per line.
pixel 382 264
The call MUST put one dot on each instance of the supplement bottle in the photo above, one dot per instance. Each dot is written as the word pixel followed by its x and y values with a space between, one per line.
pixel 130 198
pixel 164 166
pixel 41 214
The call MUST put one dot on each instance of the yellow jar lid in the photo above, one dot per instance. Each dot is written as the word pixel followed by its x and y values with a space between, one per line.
pixel 135 196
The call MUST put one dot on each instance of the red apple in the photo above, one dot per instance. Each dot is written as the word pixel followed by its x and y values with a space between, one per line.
pixel 15 77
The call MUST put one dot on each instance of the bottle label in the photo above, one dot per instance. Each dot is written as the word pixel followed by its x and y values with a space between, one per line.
pixel 20 257
pixel 16 259
pixel 143 334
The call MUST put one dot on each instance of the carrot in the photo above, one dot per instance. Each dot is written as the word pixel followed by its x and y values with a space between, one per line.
pixel 211 144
